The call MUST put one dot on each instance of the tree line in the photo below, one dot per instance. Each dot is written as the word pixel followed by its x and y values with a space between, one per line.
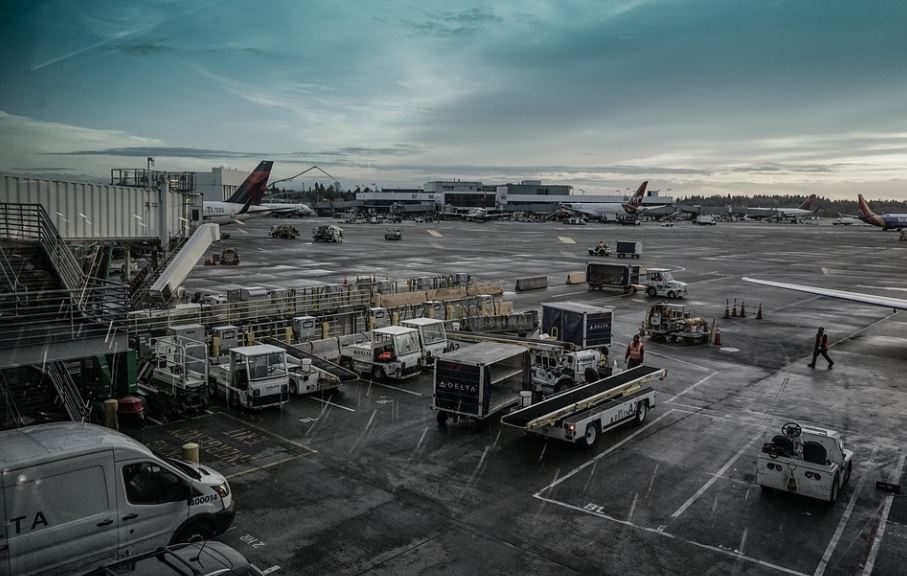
pixel 826 206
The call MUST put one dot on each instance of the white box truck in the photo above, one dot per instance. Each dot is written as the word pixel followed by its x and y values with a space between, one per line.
pixel 80 495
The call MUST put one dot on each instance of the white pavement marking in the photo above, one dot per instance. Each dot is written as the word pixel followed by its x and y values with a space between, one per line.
pixel 569 294
pixel 269 433
pixel 262 467
pixel 714 478
pixel 679 394
pixel 717 549
pixel 370 382
pixel 883 521
pixel 603 454
pixel 435 233
pixel 330 403
pixel 150 419
pixel 270 570
pixel 833 543
pixel 566 240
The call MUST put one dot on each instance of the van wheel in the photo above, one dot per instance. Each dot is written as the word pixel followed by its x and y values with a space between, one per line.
pixel 378 373
pixel 195 532
pixel 590 438
pixel 651 292
pixel 442 418
pixel 642 410
pixel 671 294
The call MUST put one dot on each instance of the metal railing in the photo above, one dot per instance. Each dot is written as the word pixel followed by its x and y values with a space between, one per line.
pixel 76 408
pixel 31 222
pixel 12 411
pixel 141 284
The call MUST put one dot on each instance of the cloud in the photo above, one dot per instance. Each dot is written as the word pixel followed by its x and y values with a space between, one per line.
pixel 462 23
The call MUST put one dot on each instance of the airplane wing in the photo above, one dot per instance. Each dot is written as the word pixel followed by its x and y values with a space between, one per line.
pixel 895 303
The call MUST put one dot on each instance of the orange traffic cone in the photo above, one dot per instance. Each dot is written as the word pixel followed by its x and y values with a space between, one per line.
pixel 734 310
pixel 727 309
pixel 743 309
pixel 716 339
pixel 759 312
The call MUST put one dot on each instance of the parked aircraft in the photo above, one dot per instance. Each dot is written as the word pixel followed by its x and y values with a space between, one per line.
pixel 804 211
pixel 613 211
pixel 893 303
pixel 241 205
pixel 884 221
pixel 288 208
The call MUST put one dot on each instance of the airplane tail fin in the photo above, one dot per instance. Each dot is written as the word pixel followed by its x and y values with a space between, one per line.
pixel 866 213
pixel 246 206
pixel 808 203
pixel 253 188
pixel 633 204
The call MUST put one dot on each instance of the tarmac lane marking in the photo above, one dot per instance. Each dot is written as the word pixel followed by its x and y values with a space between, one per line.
pixel 869 564
pixel 566 240
pixel 329 403
pixel 395 388
pixel 269 433
pixel 262 467
pixel 435 233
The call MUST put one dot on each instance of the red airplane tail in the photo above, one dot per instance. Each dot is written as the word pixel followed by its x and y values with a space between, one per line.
pixel 808 203
pixel 636 199
pixel 866 213
pixel 253 188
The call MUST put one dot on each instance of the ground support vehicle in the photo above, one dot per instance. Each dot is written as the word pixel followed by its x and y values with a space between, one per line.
pixel 478 381
pixel 79 495
pixel 582 325
pixel 808 461
pixel 432 337
pixel 671 322
pixel 627 249
pixel 179 374
pixel 309 373
pixel 582 414
pixel 390 352
pixel 660 282
pixel 556 365
pixel 327 233
pixel 601 276
pixel 705 220
pixel 603 250
pixel 287 231
pixel 227 257
pixel 393 234
pixel 251 377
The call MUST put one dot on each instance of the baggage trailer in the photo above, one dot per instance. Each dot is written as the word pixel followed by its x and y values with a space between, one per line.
pixel 582 325
pixel 310 373
pixel 391 352
pixel 628 249
pixel 179 376
pixel 669 322
pixel 582 414
pixel 478 381
pixel 601 276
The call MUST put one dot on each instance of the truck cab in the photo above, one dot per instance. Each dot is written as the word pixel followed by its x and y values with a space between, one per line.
pixel 432 337
pixel 660 282
pixel 808 461
pixel 390 352
pixel 252 377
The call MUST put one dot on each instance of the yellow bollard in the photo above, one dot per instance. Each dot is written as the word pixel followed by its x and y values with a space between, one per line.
pixel 288 335
pixel 395 318
pixel 215 347
pixel 110 413
pixel 190 452
pixel 250 338
pixel 325 330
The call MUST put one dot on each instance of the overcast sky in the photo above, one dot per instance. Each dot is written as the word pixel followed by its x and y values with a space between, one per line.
pixel 722 96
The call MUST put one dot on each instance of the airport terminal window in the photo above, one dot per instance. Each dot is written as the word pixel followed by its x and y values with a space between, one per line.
pixel 148 483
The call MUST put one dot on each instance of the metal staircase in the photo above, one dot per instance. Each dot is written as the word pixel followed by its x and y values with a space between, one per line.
pixel 141 284
pixel 77 409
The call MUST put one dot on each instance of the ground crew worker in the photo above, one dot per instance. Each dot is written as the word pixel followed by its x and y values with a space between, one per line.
pixel 821 347
pixel 635 353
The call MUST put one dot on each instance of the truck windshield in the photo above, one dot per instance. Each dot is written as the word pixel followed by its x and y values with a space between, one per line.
pixel 267 366
pixel 433 333
pixel 406 343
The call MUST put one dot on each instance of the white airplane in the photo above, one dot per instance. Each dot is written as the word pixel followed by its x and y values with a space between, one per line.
pixel 288 208
pixel 613 211
pixel 893 303
pixel 241 205
pixel 804 211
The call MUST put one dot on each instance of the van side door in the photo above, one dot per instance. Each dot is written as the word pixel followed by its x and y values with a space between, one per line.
pixel 60 516
pixel 153 502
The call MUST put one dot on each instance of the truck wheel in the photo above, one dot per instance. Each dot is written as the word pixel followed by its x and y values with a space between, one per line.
pixel 651 292
pixel 671 294
pixel 642 410
pixel 442 418
pixel 234 401
pixel 834 490
pixel 293 387
pixel 347 363
pixel 212 389
pixel 562 384
pixel 378 373
pixel 590 437
pixel 195 532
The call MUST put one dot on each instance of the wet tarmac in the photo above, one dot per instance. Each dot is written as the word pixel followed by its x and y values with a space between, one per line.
pixel 364 481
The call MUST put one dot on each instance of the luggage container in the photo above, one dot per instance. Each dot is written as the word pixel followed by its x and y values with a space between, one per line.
pixel 626 249
pixel 582 325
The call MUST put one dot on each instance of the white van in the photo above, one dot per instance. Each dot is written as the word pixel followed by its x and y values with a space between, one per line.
pixel 78 495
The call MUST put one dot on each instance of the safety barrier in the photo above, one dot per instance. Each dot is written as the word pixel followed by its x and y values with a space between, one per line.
pixel 533 283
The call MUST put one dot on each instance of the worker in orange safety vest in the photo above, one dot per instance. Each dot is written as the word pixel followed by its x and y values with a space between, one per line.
pixel 636 353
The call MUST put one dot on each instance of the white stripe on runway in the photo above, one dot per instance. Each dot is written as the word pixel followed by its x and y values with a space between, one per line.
pixel 330 403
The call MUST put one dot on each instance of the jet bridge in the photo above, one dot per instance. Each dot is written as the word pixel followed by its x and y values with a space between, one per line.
pixel 182 263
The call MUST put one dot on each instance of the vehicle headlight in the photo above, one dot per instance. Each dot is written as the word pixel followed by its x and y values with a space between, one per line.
pixel 223 490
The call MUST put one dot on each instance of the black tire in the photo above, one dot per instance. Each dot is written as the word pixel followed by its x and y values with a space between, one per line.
pixel 195 532
pixel 293 389
pixel 212 388
pixel 347 363
pixel 442 418
pixel 651 291
pixel 672 294
pixel 642 411
pixel 378 373
pixel 590 436
pixel 233 402
pixel 562 384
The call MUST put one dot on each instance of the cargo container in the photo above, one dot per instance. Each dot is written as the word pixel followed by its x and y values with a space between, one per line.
pixel 626 249
pixel 582 325
pixel 602 276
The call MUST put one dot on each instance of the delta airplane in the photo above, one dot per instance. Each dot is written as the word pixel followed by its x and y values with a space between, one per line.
pixel 241 205
pixel 884 221
pixel 605 211
pixel 805 210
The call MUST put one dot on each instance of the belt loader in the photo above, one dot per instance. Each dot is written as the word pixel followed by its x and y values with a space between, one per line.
pixel 582 414
pixel 310 373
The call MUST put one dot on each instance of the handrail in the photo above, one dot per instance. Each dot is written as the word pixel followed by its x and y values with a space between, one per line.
pixel 10 403
pixel 68 391
pixel 31 222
